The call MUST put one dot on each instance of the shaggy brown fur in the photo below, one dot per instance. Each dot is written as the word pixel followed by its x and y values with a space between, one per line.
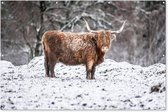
pixel 75 48
pixel 87 48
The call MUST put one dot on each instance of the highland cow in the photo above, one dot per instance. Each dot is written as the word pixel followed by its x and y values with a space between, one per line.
pixel 86 48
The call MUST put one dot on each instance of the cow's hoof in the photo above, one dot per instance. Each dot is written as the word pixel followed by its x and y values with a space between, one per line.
pixel 92 78
pixel 53 76
pixel 47 75
pixel 88 78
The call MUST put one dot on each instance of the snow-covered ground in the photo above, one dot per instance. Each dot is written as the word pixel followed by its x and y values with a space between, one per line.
pixel 117 86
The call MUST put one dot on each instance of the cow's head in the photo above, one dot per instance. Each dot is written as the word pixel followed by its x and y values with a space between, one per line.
pixel 104 38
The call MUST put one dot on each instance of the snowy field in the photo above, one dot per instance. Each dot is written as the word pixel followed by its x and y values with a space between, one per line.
pixel 117 86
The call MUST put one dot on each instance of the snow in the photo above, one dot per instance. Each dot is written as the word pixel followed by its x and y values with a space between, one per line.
pixel 117 86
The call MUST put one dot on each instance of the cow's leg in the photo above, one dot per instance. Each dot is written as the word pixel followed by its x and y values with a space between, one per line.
pixel 88 74
pixel 46 66
pixel 93 72
pixel 51 64
pixel 89 66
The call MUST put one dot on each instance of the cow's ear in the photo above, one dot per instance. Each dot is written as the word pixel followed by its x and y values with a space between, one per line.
pixel 95 37
pixel 94 41
pixel 113 37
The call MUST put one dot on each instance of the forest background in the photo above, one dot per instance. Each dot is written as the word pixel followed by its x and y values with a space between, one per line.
pixel 142 41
